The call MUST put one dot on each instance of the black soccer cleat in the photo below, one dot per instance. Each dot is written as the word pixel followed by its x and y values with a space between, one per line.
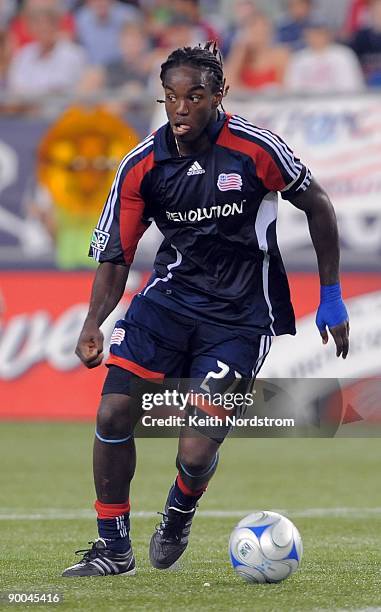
pixel 101 561
pixel 171 537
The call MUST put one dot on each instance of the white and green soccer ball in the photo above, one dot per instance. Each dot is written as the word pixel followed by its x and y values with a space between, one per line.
pixel 265 547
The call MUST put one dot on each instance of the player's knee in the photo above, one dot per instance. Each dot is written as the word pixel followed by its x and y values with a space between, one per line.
pixel 112 419
pixel 196 454
pixel 192 465
pixel 197 465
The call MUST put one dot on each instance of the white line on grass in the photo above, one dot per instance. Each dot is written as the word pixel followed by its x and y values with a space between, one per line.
pixel 378 609
pixel 43 514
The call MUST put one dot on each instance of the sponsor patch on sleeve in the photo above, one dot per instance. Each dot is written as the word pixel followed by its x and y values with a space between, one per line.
pixel 99 239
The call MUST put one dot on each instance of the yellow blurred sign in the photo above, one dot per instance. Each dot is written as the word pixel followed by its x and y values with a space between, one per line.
pixel 78 157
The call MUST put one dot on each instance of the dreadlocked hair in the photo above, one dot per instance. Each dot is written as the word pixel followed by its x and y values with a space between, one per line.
pixel 206 58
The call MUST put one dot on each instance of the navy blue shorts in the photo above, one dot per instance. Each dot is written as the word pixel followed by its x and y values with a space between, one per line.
pixel 155 343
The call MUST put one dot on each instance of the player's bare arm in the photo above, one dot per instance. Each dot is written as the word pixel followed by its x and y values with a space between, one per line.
pixel 325 238
pixel 108 288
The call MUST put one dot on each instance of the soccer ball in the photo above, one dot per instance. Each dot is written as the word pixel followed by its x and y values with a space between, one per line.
pixel 265 547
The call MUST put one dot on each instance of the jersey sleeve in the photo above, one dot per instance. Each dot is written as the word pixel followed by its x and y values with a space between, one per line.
pixel 279 168
pixel 123 220
pixel 275 163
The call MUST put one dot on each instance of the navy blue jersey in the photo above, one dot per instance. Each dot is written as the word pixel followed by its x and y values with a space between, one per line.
pixel 219 260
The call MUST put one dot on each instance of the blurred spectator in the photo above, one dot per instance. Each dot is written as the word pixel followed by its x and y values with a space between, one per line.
pixel 357 16
pixel 21 29
pixel 242 12
pixel 254 62
pixel 190 9
pixel 98 24
pixel 136 59
pixel 324 66
pixel 49 65
pixel 161 16
pixel 290 30
pixel 157 14
pixel 7 10
pixel 332 12
pixel 131 71
pixel 5 56
pixel 367 45
pixel 179 32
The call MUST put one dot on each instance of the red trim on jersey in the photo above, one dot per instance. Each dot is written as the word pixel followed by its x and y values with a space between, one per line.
pixel 265 166
pixel 133 367
pixel 110 511
pixel 132 227
pixel 186 490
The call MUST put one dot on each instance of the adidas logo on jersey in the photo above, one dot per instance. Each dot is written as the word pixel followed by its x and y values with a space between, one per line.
pixel 195 169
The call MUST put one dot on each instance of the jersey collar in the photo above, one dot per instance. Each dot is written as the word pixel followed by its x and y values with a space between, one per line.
pixel 164 144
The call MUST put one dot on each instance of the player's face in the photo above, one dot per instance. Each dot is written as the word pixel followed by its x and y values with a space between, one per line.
pixel 189 102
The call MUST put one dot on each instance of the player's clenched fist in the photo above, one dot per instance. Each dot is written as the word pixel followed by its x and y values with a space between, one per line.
pixel 90 345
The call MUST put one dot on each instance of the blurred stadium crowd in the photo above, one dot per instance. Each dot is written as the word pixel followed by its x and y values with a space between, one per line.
pixel 80 48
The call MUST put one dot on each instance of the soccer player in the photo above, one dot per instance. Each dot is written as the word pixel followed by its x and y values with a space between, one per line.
pixel 217 296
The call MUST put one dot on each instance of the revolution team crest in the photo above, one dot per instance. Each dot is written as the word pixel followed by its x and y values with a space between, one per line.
pixel 229 182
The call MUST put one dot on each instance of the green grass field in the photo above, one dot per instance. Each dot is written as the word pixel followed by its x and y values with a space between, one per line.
pixel 330 488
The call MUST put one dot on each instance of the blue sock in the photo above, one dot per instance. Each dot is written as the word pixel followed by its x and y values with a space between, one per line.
pixel 179 499
pixel 115 532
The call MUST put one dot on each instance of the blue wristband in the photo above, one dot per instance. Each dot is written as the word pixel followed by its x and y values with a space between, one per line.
pixel 332 309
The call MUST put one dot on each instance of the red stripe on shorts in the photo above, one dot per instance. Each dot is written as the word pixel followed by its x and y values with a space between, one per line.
pixel 133 367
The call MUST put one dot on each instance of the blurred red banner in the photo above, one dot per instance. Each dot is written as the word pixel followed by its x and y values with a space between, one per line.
pixel 41 316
